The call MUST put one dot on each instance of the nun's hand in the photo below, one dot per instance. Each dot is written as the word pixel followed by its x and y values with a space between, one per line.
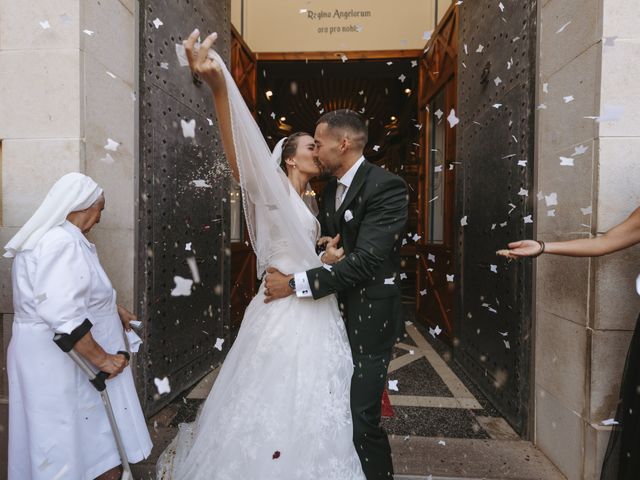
pixel 125 317
pixel 113 364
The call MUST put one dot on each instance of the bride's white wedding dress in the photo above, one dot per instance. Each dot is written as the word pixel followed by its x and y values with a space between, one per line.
pixel 279 409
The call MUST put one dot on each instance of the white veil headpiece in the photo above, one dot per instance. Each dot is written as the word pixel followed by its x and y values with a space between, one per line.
pixel 71 193
pixel 266 189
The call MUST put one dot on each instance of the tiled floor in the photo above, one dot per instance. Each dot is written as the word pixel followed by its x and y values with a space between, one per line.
pixel 442 425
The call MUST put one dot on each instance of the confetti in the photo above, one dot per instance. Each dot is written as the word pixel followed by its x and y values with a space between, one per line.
pixel 442 442
pixel 506 344
pixel 376 148
pixel 609 422
pixel 164 65
pixel 393 385
pixel 501 7
pixel 431 257
pixel 586 211
pixel 434 332
pixel 496 105
pixel 88 32
pixel 157 23
pixel 200 183
pixel 480 49
pixel 463 221
pixel 390 281
pixel 497 81
pixel 452 119
pixel 551 213
pixel 45 24
pixel 403 276
pixel 402 78
pixel 108 159
pixel 416 237
pixel 427 35
pixel 528 219
pixel 219 342
pixel 523 192
pixel 580 149
pixel 188 128
pixel 493 268
pixel 450 277
pixel 566 162
pixel 423 292
pixel 111 74
pixel 182 288
pixel 193 266
pixel 551 199
pixel 187 246
pixel 568 99
pixel 111 145
pixel 162 385
pixel 564 26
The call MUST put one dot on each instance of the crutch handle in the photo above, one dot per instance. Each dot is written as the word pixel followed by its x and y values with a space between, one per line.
pixel 99 381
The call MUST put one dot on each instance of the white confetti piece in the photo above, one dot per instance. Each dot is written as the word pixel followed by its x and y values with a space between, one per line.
pixel 200 183
pixel 506 344
pixel 193 266
pixel 568 99
pixel 497 81
pixel 157 23
pixel 187 246
pixel 586 211
pixel 404 241
pixel 561 29
pixel 188 128
pixel 522 163
pixel 182 288
pixel 164 65
pixel 523 192
pixel 402 78
pixel 566 161
pixel 480 49
pixel 390 281
pixel 452 119
pixel 210 122
pixel 393 385
pixel 111 74
pixel 344 58
pixel 438 113
pixel 219 342
pixel 463 221
pixel 545 87
pixel 504 334
pixel 423 292
pixel 376 148
pixel 434 332
pixel 528 219
pixel 403 276
pixel 450 277
pixel 501 7
pixel 111 145
pixel 580 149
pixel 162 385
pixel 427 35
pixel 108 159
pixel 431 257
pixel 442 442
pixel 513 207
pixel 551 213
pixel 45 24
pixel 496 105
pixel 493 268
pixel 414 63
pixel 609 422
pixel 551 199
pixel 416 237
pixel 88 32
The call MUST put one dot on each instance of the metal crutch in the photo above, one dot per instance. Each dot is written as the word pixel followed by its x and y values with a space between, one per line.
pixel 98 380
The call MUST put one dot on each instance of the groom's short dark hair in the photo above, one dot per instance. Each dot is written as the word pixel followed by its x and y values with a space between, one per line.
pixel 349 120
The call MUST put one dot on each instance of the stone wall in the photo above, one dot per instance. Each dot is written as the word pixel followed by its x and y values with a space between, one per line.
pixel 60 103
pixel 585 308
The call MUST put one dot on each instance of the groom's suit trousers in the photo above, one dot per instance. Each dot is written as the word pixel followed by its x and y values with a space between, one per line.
pixel 370 439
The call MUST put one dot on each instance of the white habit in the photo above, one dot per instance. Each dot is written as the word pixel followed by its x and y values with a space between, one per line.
pixel 58 427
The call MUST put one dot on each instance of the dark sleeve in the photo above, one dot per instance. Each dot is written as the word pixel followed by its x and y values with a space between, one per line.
pixel 384 221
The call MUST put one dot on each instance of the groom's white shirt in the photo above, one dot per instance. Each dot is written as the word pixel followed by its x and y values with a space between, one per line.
pixel 302 281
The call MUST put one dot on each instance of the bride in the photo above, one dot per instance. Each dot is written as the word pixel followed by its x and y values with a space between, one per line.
pixel 279 408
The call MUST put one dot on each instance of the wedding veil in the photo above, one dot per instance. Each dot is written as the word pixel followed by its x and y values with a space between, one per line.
pixel 266 190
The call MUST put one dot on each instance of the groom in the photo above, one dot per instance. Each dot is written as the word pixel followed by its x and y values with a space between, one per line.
pixel 368 207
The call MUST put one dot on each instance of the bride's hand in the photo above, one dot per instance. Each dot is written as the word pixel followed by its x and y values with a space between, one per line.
pixel 523 248
pixel 199 62
pixel 332 253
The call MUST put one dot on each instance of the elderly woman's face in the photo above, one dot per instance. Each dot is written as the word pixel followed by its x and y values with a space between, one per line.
pixel 92 214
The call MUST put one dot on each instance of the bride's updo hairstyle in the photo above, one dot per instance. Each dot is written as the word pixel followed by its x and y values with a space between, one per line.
pixel 290 147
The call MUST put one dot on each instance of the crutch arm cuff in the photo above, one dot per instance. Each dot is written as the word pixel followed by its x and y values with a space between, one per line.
pixel 66 341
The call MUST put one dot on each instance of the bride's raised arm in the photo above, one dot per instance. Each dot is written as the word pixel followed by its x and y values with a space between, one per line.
pixel 210 71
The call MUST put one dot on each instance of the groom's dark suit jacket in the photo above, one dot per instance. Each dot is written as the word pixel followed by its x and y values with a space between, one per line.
pixel 371 222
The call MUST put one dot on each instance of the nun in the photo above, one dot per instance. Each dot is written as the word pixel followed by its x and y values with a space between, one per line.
pixel 58 427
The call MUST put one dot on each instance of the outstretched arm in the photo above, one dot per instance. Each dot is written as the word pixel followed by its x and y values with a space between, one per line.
pixel 211 72
pixel 623 235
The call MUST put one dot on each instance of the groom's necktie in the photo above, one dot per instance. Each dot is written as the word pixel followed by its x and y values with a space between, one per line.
pixel 339 194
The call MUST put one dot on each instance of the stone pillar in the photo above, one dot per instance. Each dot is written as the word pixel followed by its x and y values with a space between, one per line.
pixel 585 308
pixel 63 93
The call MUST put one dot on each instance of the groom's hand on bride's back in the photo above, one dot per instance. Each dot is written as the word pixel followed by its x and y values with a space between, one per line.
pixel 199 62
pixel 276 285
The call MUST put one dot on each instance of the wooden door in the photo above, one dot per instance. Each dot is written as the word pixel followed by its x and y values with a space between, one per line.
pixel 243 260
pixel 435 278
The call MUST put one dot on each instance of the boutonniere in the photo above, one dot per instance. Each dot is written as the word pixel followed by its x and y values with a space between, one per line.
pixel 348 216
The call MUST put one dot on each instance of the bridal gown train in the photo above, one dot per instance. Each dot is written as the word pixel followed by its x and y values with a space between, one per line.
pixel 279 408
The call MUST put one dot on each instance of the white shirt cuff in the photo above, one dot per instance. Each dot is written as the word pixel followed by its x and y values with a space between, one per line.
pixel 323 252
pixel 302 285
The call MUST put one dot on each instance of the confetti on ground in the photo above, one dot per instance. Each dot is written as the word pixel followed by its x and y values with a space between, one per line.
pixel 188 128
pixel 434 332
pixel 182 288
pixel 393 385
pixel 111 145
pixel 162 385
